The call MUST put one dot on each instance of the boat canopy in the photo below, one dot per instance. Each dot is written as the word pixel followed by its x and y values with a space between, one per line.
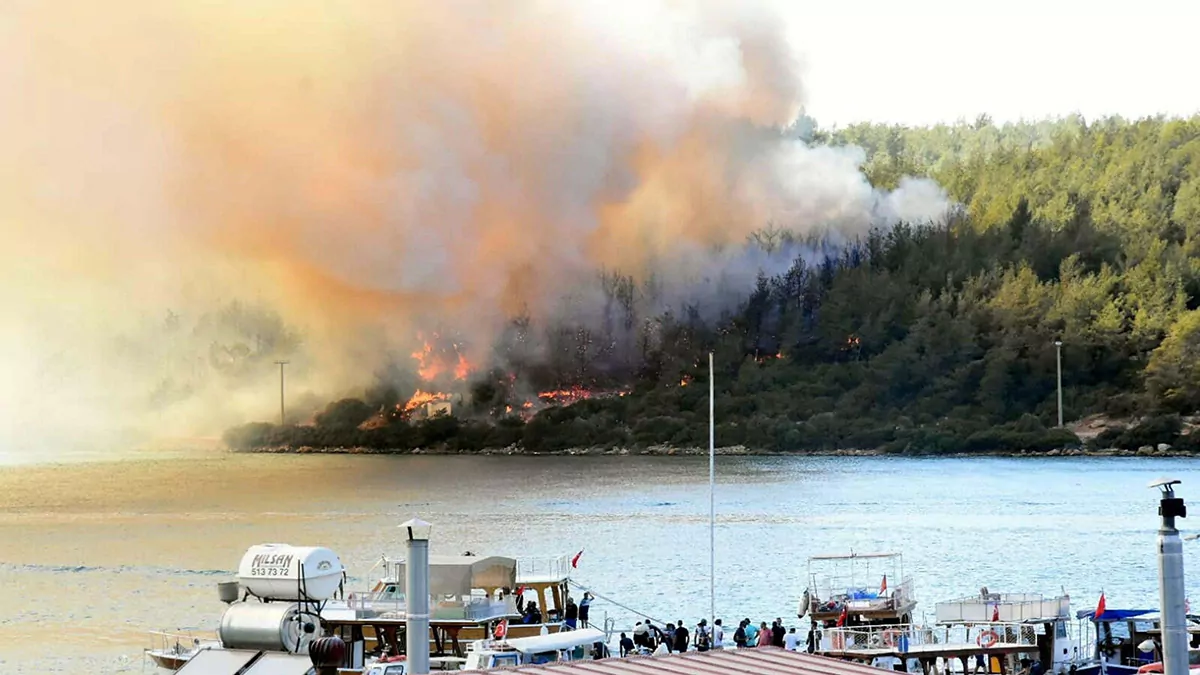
pixel 555 641
pixel 850 556
pixel 1117 614
pixel 459 575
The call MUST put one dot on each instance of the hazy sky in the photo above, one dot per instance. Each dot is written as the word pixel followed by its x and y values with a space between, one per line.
pixel 924 61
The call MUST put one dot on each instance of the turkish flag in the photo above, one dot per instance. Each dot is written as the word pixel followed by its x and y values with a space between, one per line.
pixel 996 614
pixel 883 586
pixel 842 617
pixel 1099 607
pixel 501 630
pixel 575 560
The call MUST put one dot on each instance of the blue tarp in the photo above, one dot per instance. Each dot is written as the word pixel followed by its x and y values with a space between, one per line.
pixel 861 594
pixel 1114 614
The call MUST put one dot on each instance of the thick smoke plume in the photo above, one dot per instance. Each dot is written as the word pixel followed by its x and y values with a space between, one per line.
pixel 189 191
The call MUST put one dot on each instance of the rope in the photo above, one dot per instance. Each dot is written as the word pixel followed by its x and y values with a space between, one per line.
pixel 627 608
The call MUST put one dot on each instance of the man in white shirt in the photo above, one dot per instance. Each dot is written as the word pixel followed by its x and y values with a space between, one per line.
pixel 791 641
pixel 718 635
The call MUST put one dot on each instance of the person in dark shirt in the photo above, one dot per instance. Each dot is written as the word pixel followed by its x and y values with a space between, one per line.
pixel 626 645
pixel 681 637
pixel 739 635
pixel 572 613
pixel 778 632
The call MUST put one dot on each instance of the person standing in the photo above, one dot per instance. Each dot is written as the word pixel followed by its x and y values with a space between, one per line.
pixel 572 613
pixel 703 637
pixel 739 636
pixel 751 633
pixel 681 637
pixel 718 635
pixel 791 641
pixel 584 606
pixel 764 635
pixel 777 633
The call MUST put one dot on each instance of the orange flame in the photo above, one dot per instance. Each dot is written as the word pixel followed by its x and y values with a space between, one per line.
pixel 422 397
pixel 431 364
pixel 685 380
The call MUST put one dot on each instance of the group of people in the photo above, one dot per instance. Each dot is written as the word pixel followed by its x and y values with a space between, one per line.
pixel 648 638
pixel 573 616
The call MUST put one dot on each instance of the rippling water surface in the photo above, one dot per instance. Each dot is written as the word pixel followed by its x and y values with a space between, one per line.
pixel 95 554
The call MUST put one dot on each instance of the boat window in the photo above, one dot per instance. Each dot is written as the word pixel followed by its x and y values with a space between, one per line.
pixel 1143 626
pixel 1194 657
pixel 544 657
pixel 1060 630
pixel 395 670
pixel 1120 629
pixel 504 660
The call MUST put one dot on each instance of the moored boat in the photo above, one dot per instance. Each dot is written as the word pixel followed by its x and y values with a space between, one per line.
pixel 854 589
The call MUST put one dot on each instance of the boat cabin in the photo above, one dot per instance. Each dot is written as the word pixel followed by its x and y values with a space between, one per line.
pixel 867 588
pixel 1048 620
pixel 1114 640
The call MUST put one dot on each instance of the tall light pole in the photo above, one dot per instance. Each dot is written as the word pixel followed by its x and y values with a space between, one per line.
pixel 1058 355
pixel 281 364
pixel 1170 580
pixel 712 507
pixel 416 596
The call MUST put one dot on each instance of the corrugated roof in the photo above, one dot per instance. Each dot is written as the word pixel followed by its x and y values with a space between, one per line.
pixel 765 661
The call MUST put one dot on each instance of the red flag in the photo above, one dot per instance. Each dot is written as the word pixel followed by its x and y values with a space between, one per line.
pixel 520 591
pixel 996 614
pixel 575 560
pixel 842 617
pixel 1099 607
pixel 501 631
pixel 883 586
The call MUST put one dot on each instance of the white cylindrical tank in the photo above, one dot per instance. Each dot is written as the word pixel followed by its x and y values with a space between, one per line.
pixel 282 572
pixel 273 626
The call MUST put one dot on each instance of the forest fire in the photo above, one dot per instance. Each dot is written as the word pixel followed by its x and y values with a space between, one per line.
pixel 420 398
pixel 434 361
pixel 566 396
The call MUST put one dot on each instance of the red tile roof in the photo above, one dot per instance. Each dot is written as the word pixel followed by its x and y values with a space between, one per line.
pixel 765 661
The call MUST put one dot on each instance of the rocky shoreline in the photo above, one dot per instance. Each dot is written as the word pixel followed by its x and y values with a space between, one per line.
pixel 1162 450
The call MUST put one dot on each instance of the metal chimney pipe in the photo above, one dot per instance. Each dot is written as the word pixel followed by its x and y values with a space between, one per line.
pixel 1170 581
pixel 416 594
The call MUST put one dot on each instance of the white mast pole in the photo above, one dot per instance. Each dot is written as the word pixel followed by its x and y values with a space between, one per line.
pixel 712 508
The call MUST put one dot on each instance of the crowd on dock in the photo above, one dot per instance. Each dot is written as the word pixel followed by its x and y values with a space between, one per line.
pixel 648 638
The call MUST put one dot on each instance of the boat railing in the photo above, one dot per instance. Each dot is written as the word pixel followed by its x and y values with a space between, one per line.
pixel 543 569
pixel 906 637
pixel 469 608
pixel 178 642
pixel 1004 606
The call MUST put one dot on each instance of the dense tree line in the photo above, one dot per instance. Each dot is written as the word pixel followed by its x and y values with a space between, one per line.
pixel 920 338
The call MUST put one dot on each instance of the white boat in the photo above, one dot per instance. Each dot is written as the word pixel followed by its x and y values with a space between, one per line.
pixel 571 645
pixel 172 650
pixel 287 596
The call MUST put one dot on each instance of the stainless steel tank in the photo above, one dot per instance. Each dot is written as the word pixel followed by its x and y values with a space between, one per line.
pixel 272 626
